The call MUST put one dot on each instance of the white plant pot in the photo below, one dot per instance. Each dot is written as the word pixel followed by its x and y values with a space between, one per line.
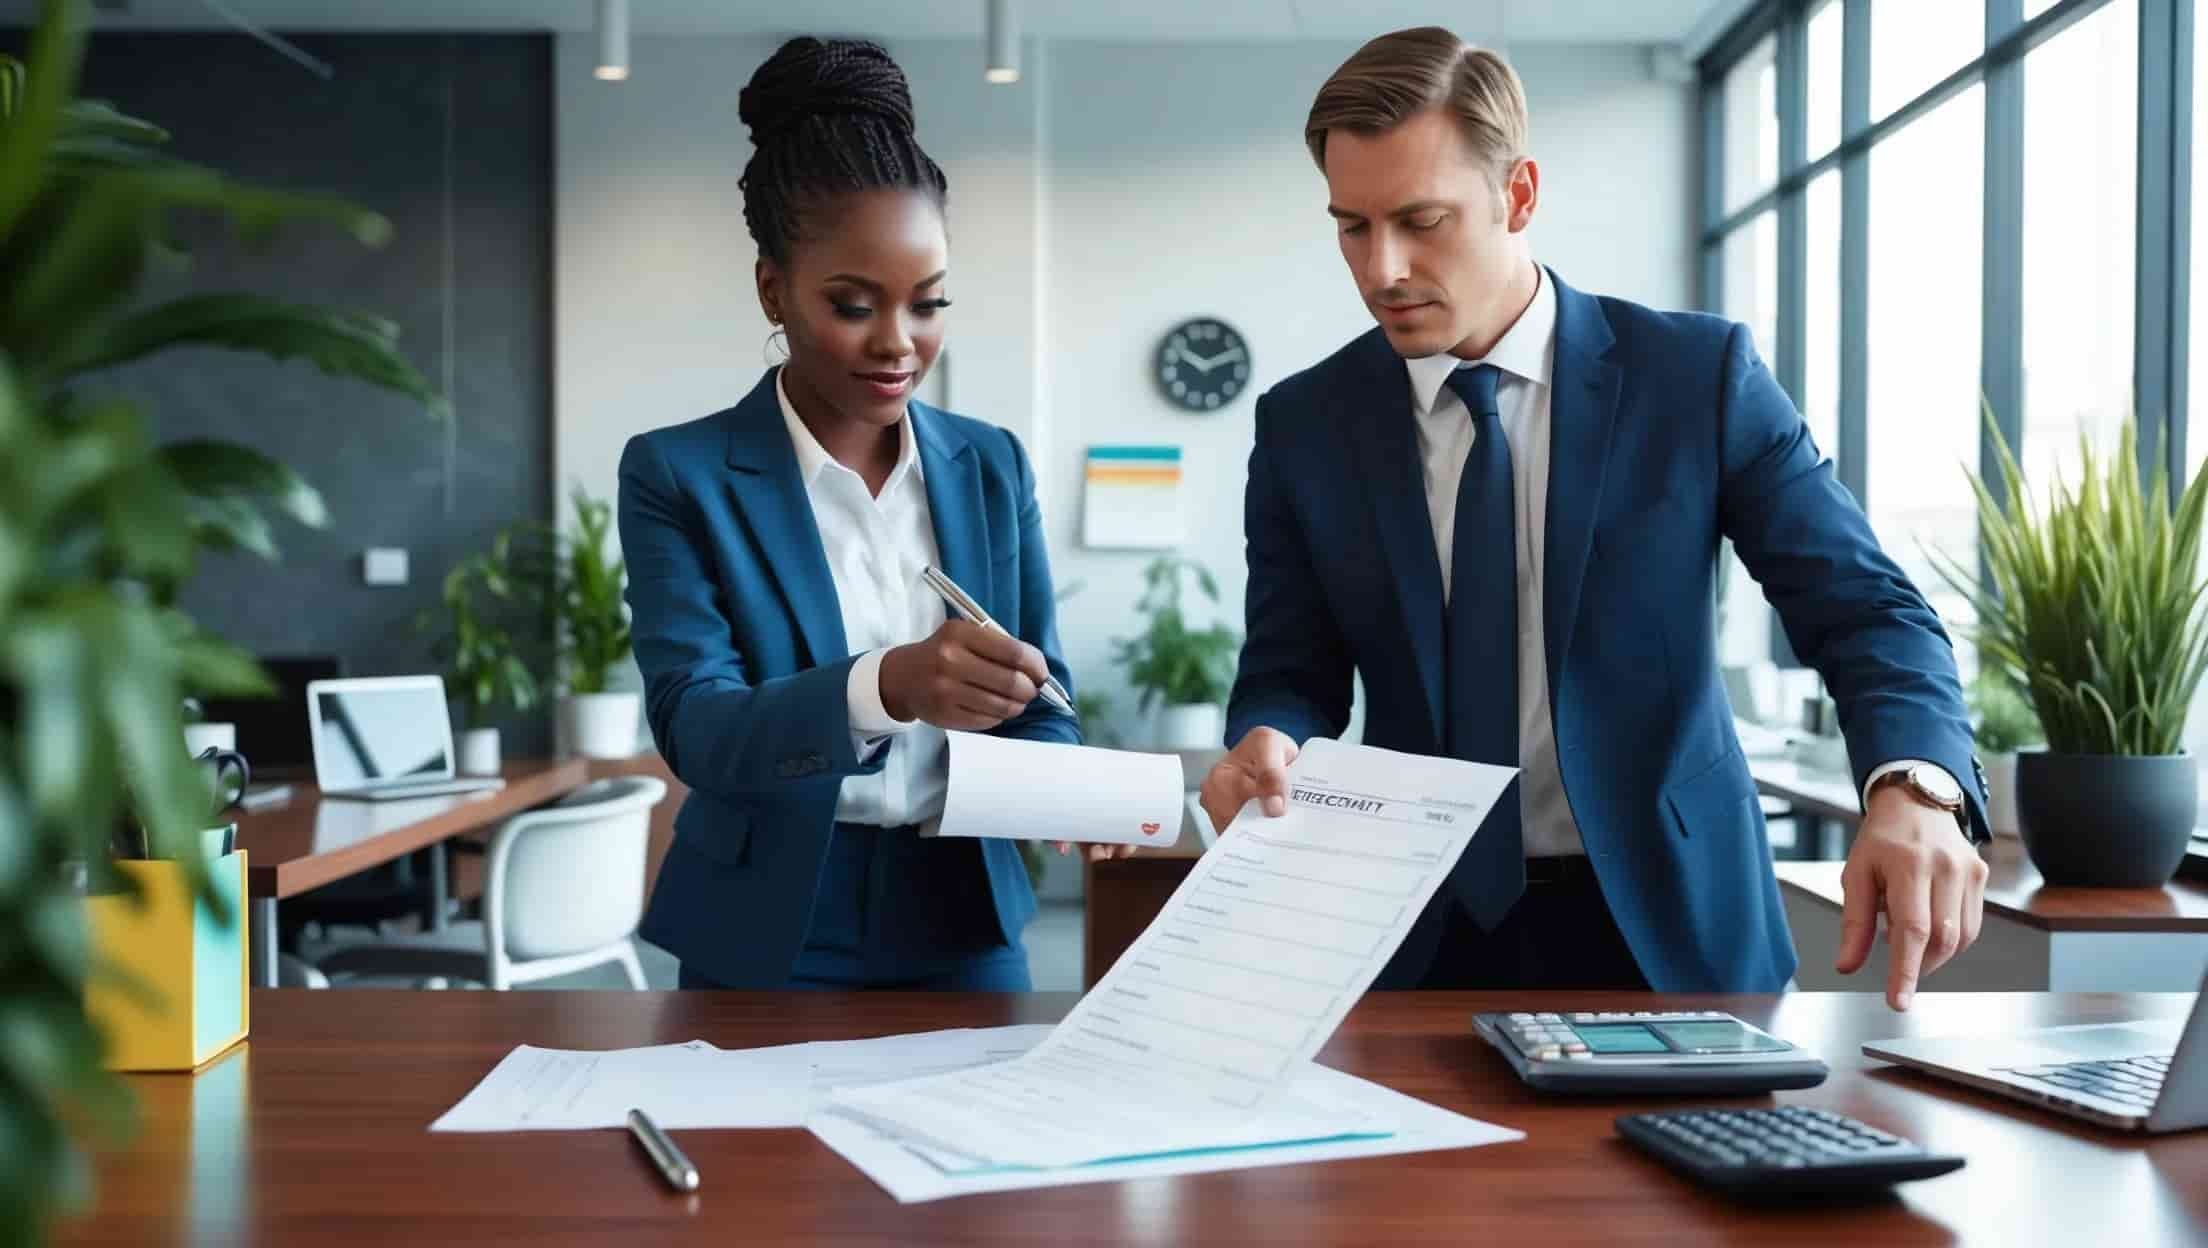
pixel 601 725
pixel 1196 727
pixel 479 752
pixel 2001 793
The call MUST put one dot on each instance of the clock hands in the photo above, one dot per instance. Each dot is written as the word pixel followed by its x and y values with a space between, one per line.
pixel 1205 363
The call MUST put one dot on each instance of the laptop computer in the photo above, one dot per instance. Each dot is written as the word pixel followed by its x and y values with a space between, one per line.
pixel 385 739
pixel 2140 1076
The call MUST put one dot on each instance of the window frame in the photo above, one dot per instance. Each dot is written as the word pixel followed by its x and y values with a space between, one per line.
pixel 2162 224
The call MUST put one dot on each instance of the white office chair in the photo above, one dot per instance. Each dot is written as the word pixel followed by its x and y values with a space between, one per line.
pixel 563 890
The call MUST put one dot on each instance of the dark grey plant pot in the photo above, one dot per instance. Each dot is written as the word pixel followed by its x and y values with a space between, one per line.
pixel 2106 820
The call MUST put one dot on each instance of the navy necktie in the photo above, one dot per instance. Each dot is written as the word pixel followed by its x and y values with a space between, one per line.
pixel 1482 649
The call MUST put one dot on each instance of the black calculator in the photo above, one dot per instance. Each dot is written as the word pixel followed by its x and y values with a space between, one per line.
pixel 1789 1151
pixel 1647 1053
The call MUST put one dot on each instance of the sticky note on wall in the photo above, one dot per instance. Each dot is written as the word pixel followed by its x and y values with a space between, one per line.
pixel 1132 498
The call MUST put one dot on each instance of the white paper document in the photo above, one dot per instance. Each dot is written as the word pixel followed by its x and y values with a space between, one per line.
pixel 914 1173
pixel 1044 791
pixel 535 1089
pixel 695 1085
pixel 1194 1037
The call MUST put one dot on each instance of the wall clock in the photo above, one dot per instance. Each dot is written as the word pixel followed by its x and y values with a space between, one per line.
pixel 1203 364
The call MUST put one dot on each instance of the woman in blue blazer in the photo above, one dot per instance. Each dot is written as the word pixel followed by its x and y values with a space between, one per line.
pixel 799 676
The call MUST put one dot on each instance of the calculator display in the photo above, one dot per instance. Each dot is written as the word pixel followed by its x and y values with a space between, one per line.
pixel 1620 1038
pixel 1717 1037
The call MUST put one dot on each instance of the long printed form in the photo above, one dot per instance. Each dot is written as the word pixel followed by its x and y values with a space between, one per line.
pixel 1191 1038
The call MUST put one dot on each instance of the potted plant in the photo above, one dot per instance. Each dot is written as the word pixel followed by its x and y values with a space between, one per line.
pixel 484 667
pixel 2092 604
pixel 587 585
pixel 2003 724
pixel 1185 671
pixel 100 527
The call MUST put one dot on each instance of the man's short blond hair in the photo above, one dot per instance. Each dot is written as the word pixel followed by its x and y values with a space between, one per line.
pixel 1395 77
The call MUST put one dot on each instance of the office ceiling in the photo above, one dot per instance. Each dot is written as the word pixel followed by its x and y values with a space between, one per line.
pixel 1678 22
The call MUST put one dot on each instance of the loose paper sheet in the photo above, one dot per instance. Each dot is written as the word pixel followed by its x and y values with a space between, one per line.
pixel 1228 994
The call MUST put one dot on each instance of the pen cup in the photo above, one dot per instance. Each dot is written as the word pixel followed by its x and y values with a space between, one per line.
pixel 170 993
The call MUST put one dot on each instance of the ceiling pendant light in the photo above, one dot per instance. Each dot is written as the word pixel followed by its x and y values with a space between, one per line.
pixel 613 40
pixel 1004 43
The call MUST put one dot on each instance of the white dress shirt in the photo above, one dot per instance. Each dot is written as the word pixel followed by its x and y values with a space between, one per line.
pixel 1525 358
pixel 877 546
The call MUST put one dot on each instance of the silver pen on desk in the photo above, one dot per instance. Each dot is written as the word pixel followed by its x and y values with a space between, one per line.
pixel 970 611
pixel 673 1166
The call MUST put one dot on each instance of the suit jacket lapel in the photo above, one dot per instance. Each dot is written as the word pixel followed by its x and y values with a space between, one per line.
pixel 1583 410
pixel 1378 419
pixel 954 502
pixel 774 504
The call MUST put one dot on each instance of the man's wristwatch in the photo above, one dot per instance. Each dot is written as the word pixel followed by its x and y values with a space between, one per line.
pixel 1931 786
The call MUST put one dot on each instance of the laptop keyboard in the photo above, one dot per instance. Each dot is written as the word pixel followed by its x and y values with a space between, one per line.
pixel 2134 1081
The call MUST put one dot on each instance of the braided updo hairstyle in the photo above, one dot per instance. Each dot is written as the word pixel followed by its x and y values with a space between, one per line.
pixel 826 117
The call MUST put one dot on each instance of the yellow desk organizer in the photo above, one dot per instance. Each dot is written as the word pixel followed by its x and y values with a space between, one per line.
pixel 173 945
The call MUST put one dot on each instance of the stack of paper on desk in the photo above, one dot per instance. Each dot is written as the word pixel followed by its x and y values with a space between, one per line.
pixel 1198 1036
pixel 696 1085
pixel 912 1172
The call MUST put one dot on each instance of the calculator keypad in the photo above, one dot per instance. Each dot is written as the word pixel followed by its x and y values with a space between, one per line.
pixel 1549 1037
pixel 1788 1138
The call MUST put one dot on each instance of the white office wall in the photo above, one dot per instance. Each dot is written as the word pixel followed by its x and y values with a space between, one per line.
pixel 657 320
pixel 1116 190
pixel 1179 186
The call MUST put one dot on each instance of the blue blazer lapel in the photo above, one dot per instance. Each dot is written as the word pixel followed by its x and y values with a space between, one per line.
pixel 1377 411
pixel 954 501
pixel 1583 408
pixel 773 502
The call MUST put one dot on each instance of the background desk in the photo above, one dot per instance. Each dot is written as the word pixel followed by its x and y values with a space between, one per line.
pixel 312 840
pixel 2034 938
pixel 314 1132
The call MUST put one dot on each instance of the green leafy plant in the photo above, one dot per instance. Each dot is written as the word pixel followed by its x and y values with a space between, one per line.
pixel 2093 601
pixel 587 585
pixel 100 528
pixel 2004 719
pixel 1170 662
pixel 483 659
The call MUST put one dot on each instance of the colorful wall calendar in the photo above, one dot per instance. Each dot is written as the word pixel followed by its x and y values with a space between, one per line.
pixel 1132 499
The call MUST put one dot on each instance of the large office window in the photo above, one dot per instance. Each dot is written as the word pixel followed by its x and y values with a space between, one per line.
pixel 2081 177
pixel 2196 434
pixel 1752 279
pixel 1915 43
pixel 1926 283
pixel 1824 76
pixel 1962 229
pixel 1820 397
pixel 1751 125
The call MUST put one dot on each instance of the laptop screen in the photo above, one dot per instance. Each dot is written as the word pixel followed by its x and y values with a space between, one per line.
pixel 381 733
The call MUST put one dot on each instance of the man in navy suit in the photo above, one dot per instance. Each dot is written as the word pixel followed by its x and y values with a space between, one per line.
pixel 1501 509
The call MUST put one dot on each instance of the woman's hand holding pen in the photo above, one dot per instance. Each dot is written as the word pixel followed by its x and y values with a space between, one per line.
pixel 970 679
pixel 964 677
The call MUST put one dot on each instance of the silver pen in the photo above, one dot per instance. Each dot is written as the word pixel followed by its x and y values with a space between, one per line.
pixel 970 611
pixel 673 1166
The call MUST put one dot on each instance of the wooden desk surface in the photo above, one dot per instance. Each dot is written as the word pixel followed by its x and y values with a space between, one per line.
pixel 314 1132
pixel 310 841
pixel 2016 890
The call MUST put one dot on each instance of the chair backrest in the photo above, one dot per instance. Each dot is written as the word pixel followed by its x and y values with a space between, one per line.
pixel 569 877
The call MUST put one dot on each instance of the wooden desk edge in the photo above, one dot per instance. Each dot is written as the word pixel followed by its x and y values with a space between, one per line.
pixel 289 879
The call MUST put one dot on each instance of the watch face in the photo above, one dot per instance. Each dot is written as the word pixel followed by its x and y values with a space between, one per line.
pixel 1203 364
pixel 1938 784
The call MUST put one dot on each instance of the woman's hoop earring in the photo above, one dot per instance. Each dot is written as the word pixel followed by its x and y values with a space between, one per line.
pixel 768 349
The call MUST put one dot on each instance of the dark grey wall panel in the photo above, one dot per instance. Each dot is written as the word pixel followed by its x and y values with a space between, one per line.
pixel 451 138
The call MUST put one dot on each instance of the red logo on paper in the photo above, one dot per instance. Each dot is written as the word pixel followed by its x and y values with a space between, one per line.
pixel 1150 829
